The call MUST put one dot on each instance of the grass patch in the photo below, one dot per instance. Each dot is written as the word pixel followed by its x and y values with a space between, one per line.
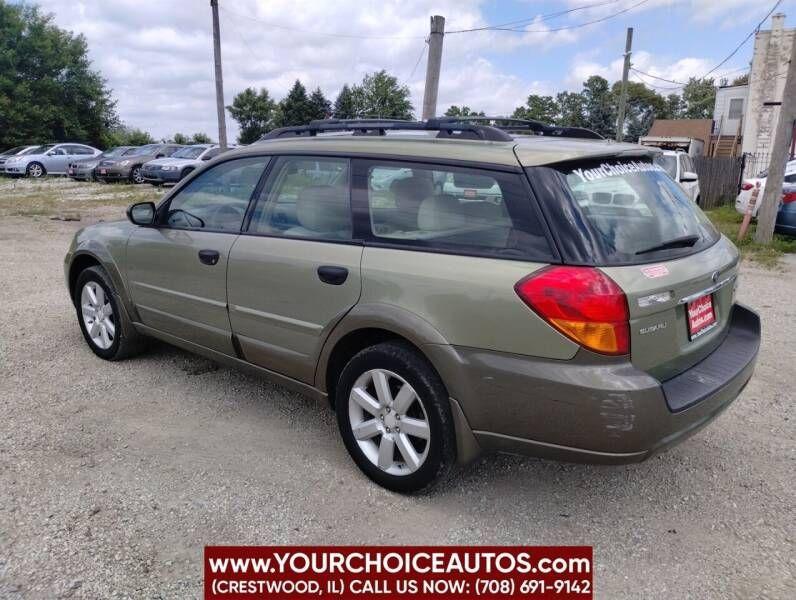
pixel 55 196
pixel 728 221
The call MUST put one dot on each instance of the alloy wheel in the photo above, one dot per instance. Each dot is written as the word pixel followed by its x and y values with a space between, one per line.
pixel 35 170
pixel 137 176
pixel 97 314
pixel 389 422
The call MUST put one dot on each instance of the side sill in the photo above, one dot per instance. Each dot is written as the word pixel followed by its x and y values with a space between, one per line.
pixel 231 361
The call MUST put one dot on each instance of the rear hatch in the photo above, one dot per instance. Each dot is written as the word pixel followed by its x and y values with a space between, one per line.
pixel 629 219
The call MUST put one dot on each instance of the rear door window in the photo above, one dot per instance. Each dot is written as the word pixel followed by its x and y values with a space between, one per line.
pixel 450 209
pixel 622 212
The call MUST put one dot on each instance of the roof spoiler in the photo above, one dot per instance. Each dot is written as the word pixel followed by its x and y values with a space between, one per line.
pixel 447 127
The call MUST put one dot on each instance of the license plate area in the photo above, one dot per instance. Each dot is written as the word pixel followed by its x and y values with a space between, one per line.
pixel 701 316
pixel 103 171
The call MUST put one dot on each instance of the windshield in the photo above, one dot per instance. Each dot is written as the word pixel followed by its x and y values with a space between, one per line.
pixel 30 150
pixel 632 212
pixel 12 151
pixel 668 162
pixel 117 151
pixel 40 149
pixel 189 152
pixel 148 149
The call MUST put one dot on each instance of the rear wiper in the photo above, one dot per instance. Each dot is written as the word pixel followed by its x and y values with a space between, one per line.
pixel 681 242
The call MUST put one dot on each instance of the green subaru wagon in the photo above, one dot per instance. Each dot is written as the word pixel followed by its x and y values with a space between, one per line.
pixel 450 287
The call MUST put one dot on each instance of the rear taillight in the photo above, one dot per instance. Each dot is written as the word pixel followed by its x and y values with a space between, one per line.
pixel 582 303
pixel 788 197
pixel 746 186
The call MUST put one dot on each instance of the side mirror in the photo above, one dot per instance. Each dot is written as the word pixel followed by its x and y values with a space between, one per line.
pixel 688 176
pixel 206 157
pixel 142 213
pixel 159 155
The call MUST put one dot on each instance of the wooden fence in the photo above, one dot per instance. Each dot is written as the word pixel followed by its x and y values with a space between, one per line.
pixel 719 179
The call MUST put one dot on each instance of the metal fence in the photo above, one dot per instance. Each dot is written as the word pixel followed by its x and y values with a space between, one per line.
pixel 755 162
pixel 719 179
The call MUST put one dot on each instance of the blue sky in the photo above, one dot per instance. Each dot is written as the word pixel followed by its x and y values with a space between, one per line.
pixel 157 54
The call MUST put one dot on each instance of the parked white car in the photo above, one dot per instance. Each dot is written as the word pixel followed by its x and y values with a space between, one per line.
pixel 680 167
pixel 748 186
pixel 49 159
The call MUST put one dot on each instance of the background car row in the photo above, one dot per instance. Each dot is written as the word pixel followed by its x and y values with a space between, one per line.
pixel 786 215
pixel 154 163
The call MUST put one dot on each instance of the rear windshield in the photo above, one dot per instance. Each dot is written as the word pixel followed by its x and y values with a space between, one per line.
pixel 189 152
pixel 631 212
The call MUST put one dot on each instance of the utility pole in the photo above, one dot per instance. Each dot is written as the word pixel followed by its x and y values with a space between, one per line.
pixel 433 66
pixel 620 118
pixel 779 157
pixel 222 124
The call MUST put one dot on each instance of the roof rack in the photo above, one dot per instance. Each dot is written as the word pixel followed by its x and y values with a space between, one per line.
pixel 534 127
pixel 447 127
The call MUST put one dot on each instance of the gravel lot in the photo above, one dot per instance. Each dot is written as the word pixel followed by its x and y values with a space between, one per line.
pixel 114 476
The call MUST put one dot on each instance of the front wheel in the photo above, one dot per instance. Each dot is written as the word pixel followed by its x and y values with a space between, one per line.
pixel 35 170
pixel 136 176
pixel 395 418
pixel 106 328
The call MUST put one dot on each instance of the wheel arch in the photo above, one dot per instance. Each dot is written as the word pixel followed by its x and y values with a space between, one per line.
pixel 97 255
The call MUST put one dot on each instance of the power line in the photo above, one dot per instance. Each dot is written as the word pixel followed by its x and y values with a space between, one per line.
pixel 419 58
pixel 562 28
pixel 546 17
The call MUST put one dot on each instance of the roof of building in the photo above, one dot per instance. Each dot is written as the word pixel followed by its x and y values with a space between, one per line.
pixel 698 129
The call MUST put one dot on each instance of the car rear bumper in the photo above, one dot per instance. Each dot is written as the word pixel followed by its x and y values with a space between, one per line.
pixel 595 408
pixel 112 173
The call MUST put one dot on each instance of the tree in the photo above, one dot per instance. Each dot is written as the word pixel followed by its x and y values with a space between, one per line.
pixel 254 112
pixel 48 91
pixel 643 107
pixel 295 108
pixel 181 138
pixel 463 111
pixel 345 104
pixel 674 107
pixel 571 111
pixel 320 107
pixel 699 96
pixel 380 95
pixel 538 108
pixel 741 80
pixel 201 138
pixel 127 136
pixel 599 106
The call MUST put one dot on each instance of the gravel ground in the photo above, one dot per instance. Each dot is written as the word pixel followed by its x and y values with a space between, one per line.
pixel 114 476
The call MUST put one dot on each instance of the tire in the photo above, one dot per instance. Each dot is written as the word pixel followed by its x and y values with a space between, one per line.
pixel 136 176
pixel 381 450
pixel 35 170
pixel 124 340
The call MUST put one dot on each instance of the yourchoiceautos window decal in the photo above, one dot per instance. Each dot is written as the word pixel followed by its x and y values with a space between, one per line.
pixel 609 170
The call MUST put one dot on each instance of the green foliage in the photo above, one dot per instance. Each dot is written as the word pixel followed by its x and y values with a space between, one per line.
pixel 699 96
pixel 462 111
pixel 320 107
pixel 728 220
pixel 254 112
pixel 345 104
pixel 201 138
pixel 295 108
pixel 380 95
pixel 674 107
pixel 741 80
pixel 181 138
pixel 571 111
pixel 643 107
pixel 599 105
pixel 538 108
pixel 48 91
pixel 126 136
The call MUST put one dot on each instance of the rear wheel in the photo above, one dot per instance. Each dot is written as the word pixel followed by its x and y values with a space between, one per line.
pixel 395 419
pixel 106 328
pixel 35 170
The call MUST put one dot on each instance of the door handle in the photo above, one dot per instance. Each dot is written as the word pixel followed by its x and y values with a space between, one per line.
pixel 332 275
pixel 209 257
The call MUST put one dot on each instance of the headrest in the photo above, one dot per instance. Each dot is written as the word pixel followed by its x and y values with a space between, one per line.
pixel 324 208
pixel 411 190
pixel 439 213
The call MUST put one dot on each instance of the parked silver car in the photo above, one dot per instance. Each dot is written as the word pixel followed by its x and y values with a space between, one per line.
pixel 83 169
pixel 49 159
pixel 15 151
pixel 179 164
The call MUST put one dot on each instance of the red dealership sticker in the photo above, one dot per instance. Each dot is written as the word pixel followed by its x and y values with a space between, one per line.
pixel 368 572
